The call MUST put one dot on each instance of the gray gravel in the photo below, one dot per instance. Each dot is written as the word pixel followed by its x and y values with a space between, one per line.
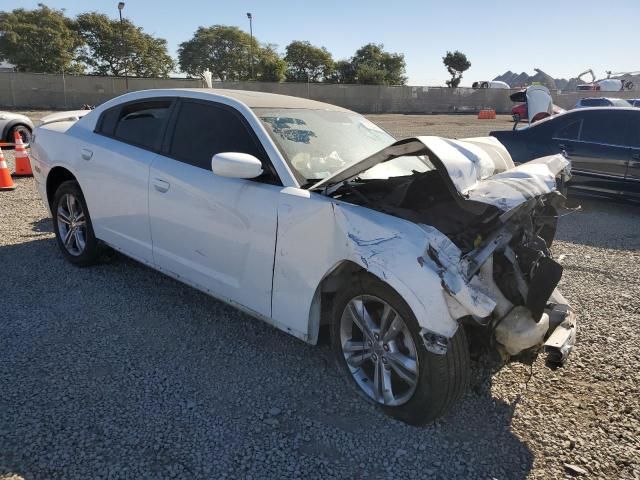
pixel 119 372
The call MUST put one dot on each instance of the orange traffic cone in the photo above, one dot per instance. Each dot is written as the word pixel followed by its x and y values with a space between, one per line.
pixel 6 182
pixel 23 166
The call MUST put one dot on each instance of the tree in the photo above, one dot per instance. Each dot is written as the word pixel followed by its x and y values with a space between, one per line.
pixel 306 62
pixel 456 64
pixel 40 40
pixel 269 66
pixel 224 50
pixel 343 72
pixel 372 65
pixel 107 54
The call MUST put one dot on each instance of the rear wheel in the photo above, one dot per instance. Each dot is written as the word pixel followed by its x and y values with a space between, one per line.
pixel 377 344
pixel 72 225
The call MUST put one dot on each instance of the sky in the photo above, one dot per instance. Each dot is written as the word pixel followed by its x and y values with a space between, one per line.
pixel 561 37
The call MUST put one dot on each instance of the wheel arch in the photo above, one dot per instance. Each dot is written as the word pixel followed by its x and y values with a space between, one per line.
pixel 55 178
pixel 319 311
pixel 11 124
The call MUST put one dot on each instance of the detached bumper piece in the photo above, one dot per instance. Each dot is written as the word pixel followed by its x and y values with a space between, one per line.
pixel 562 327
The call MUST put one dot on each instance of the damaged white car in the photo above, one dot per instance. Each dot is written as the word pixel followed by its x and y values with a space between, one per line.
pixel 304 214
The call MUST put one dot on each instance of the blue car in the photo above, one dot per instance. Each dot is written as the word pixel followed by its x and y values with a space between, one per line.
pixel 602 143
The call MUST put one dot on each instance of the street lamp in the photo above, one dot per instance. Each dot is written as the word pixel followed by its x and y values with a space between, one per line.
pixel 123 48
pixel 250 17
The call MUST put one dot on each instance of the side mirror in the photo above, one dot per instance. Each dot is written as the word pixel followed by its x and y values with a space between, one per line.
pixel 236 165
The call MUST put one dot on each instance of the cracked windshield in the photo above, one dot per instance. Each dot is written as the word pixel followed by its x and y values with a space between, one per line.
pixel 319 143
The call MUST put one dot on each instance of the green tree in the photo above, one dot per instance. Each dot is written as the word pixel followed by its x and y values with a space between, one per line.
pixel 343 72
pixel 107 53
pixel 222 49
pixel 456 64
pixel 269 66
pixel 40 40
pixel 372 65
pixel 306 62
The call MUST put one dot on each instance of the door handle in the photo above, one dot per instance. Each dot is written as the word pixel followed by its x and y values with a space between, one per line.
pixel 86 154
pixel 161 185
pixel 636 156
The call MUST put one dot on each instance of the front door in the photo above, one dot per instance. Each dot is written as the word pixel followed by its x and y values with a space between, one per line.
pixel 216 233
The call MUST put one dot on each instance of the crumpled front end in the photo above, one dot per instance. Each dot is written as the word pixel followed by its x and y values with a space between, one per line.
pixel 488 225
pixel 507 284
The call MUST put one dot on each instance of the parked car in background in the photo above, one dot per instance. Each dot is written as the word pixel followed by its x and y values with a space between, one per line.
pixel 603 144
pixel 491 84
pixel 602 102
pixel 521 112
pixel 635 102
pixel 10 123
pixel 537 104
pixel 305 214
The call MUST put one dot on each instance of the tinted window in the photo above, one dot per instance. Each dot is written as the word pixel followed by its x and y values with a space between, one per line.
pixel 594 102
pixel 108 120
pixel 142 123
pixel 604 127
pixel 570 131
pixel 204 129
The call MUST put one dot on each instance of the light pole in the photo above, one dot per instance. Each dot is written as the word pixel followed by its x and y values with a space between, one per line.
pixel 124 47
pixel 250 17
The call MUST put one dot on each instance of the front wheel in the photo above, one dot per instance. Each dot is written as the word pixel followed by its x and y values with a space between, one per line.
pixel 72 225
pixel 377 344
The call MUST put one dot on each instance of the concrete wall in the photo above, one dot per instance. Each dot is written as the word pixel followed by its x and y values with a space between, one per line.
pixel 55 92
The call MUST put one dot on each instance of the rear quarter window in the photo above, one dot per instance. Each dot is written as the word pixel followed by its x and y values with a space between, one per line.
pixel 138 123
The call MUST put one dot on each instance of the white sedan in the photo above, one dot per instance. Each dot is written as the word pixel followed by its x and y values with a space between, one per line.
pixel 305 214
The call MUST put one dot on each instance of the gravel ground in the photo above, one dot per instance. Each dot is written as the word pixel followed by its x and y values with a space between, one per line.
pixel 120 372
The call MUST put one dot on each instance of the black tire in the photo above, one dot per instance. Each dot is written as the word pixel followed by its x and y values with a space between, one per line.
pixel 91 252
pixel 442 379
pixel 25 133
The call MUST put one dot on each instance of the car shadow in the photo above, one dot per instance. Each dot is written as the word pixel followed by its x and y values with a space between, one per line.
pixel 119 368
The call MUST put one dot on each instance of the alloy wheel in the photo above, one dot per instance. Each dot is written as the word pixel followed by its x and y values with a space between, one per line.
pixel 379 350
pixel 72 224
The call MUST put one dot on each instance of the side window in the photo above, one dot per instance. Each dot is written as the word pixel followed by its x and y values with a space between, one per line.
pixel 139 123
pixel 108 120
pixel 205 129
pixel 607 126
pixel 569 131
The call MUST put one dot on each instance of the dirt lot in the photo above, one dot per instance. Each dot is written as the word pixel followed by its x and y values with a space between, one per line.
pixel 119 372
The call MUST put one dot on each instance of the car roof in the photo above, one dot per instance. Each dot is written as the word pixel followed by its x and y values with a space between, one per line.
pixel 251 98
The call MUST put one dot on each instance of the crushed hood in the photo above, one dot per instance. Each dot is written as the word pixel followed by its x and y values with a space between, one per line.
pixel 478 169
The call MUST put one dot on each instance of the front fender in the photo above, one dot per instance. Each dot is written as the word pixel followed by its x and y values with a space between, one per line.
pixel 316 233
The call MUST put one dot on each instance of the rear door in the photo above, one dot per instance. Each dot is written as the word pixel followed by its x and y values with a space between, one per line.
pixel 216 233
pixel 597 148
pixel 115 173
